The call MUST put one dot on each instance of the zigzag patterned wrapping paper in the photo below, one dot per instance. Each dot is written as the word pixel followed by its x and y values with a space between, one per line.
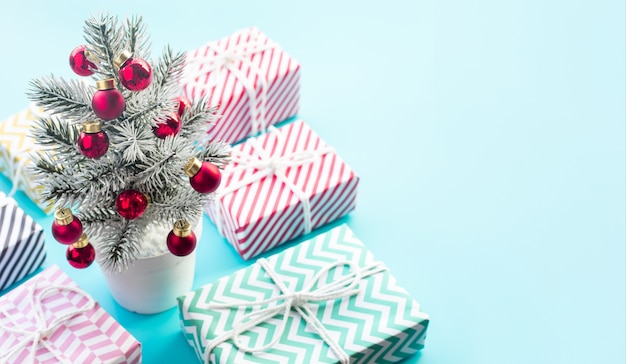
pixel 250 78
pixel 22 248
pixel 261 215
pixel 91 337
pixel 380 324
pixel 15 144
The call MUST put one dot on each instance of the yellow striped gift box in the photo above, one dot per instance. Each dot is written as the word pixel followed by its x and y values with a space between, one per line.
pixel 15 146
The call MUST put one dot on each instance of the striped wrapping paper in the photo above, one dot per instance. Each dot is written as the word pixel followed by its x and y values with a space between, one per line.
pixel 15 145
pixel 22 248
pixel 250 78
pixel 379 323
pixel 263 214
pixel 89 337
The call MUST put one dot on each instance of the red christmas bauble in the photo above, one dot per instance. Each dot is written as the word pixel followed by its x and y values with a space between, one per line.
pixel 80 64
pixel 204 177
pixel 108 102
pixel 181 241
pixel 131 204
pixel 134 72
pixel 66 228
pixel 92 141
pixel 80 254
pixel 171 126
pixel 183 104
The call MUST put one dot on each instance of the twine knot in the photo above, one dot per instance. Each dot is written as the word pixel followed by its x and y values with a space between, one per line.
pixel 42 330
pixel 315 290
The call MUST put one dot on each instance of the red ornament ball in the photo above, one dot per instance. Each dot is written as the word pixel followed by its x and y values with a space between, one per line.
pixel 183 104
pixel 204 177
pixel 171 126
pixel 92 141
pixel 181 241
pixel 131 204
pixel 66 228
pixel 134 72
pixel 80 64
pixel 81 254
pixel 108 102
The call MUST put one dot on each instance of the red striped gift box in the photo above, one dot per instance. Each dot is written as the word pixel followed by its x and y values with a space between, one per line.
pixel 279 186
pixel 250 78
pixel 49 319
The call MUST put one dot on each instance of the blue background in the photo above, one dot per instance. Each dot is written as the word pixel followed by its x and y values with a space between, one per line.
pixel 489 136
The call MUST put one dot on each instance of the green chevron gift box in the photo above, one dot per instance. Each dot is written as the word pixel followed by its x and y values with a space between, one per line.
pixel 325 300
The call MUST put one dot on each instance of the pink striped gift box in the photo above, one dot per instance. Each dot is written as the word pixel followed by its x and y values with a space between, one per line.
pixel 250 78
pixel 49 319
pixel 279 186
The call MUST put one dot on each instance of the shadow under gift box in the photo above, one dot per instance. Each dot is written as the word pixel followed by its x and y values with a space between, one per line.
pixel 279 186
pixel 51 318
pixel 22 248
pixel 252 81
pixel 318 301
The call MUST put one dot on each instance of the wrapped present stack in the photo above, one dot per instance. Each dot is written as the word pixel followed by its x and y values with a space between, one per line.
pixel 15 147
pixel 49 319
pixel 22 248
pixel 325 300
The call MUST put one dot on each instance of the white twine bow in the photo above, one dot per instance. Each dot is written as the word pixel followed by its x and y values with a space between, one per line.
pixel 267 166
pixel 43 330
pixel 313 291
pixel 226 57
pixel 21 158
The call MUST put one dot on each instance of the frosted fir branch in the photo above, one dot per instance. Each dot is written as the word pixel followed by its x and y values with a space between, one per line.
pixel 134 141
pixel 197 120
pixel 118 245
pixel 173 204
pixel 105 42
pixel 169 70
pixel 55 135
pixel 68 99
pixel 97 215
pixel 59 187
pixel 135 38
pixel 96 178
pixel 165 164
pixel 217 153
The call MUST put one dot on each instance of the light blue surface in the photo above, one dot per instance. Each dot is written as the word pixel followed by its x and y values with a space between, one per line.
pixel 489 136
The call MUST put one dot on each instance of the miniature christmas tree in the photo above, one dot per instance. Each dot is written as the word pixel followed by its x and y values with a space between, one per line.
pixel 124 155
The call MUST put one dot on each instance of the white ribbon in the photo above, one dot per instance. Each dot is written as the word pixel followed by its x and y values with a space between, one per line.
pixel 43 330
pixel 267 166
pixel 313 291
pixel 227 58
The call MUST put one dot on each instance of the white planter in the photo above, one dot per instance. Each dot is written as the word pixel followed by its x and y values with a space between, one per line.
pixel 151 285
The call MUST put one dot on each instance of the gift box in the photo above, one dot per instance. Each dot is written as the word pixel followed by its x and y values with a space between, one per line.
pixel 15 147
pixel 324 301
pixel 279 186
pixel 49 319
pixel 250 78
pixel 22 248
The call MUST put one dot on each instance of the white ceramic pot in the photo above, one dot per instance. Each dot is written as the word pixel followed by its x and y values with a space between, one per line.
pixel 151 285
